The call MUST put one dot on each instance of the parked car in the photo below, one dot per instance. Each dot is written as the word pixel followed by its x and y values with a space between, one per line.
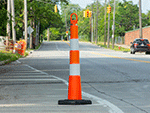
pixel 140 45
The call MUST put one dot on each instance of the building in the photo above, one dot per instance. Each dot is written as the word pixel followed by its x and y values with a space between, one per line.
pixel 131 35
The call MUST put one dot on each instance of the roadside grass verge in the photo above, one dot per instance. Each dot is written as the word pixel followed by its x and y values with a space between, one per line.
pixel 8 57
pixel 37 47
pixel 116 48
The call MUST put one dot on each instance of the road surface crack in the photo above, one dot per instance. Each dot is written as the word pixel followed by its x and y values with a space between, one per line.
pixel 125 81
pixel 117 98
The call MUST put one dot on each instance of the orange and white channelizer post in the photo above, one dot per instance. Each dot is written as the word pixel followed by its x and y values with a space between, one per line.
pixel 74 87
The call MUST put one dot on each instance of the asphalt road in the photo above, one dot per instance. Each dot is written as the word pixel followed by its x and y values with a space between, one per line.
pixel 118 77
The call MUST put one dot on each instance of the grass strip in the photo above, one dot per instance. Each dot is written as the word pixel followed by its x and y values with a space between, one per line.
pixel 116 48
pixel 8 57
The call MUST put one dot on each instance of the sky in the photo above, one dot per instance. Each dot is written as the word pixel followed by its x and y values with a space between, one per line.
pixel 84 3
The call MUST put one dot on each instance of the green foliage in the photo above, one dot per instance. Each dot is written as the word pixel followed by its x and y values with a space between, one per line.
pixel 127 18
pixel 3 18
pixel 42 11
pixel 127 15
pixel 9 56
pixel 66 11
pixel 54 34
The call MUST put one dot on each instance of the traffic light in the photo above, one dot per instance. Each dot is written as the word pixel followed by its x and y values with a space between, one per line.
pixel 87 13
pixel 55 8
pixel 84 14
pixel 90 13
pixel 109 9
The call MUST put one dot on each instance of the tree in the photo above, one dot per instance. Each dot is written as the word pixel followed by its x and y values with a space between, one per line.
pixel 3 17
pixel 126 17
pixel 67 10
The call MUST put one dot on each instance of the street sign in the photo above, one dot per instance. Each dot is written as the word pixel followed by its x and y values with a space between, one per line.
pixel 30 30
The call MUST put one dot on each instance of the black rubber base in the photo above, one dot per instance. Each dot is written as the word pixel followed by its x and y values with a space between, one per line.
pixel 74 102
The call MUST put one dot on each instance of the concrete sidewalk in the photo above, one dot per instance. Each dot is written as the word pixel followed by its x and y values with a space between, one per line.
pixel 27 90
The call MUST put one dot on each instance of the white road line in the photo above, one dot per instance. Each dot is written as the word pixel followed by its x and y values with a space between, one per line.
pixel 29 76
pixel 57 47
pixel 29 105
pixel 5 80
pixel 18 61
pixel 27 73
pixel 36 69
pixel 102 102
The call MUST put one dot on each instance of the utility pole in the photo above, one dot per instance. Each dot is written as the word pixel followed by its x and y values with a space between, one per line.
pixel 36 39
pixel 31 24
pixel 25 21
pixel 140 19
pixel 8 15
pixel 96 22
pixel 38 31
pixel 13 21
pixel 113 35
pixel 108 26
pixel 105 36
pixel 31 33
pixel 8 22
pixel 47 34
pixel 66 23
pixel 92 25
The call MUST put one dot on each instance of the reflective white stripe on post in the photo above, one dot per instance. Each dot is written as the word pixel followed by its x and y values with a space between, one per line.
pixel 74 69
pixel 74 44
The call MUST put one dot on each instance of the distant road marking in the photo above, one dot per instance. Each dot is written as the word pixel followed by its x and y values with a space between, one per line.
pixel 121 57
pixel 102 102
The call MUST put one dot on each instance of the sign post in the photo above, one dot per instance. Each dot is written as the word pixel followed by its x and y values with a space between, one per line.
pixel 30 30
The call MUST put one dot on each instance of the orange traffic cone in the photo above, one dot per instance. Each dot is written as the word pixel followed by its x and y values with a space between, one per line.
pixel 74 88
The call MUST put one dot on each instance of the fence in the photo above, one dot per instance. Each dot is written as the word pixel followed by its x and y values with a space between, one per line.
pixel 120 40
